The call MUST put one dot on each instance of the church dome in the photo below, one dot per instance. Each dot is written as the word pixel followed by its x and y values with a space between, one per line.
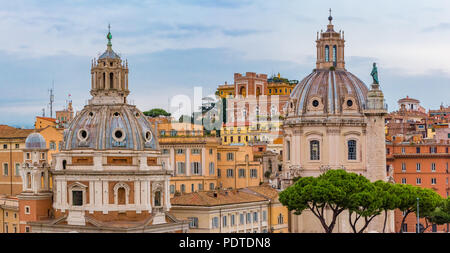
pixel 100 127
pixel 108 121
pixel 329 92
pixel 35 141
pixel 330 89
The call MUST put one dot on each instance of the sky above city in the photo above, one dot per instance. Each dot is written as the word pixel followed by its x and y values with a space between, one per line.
pixel 173 46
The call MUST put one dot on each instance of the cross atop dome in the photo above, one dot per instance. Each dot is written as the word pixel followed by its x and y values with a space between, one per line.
pixel 330 17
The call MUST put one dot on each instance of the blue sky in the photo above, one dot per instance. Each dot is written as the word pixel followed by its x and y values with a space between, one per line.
pixel 174 45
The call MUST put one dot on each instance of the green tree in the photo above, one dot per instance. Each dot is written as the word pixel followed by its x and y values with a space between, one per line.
pixel 408 194
pixel 155 112
pixel 389 199
pixel 331 190
pixel 365 204
pixel 440 215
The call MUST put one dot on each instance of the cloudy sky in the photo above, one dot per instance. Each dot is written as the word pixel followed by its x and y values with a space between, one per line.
pixel 175 45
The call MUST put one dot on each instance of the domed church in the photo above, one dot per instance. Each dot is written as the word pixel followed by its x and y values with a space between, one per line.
pixel 110 175
pixel 333 122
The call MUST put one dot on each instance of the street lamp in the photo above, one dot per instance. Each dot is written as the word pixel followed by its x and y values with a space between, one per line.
pixel 418 227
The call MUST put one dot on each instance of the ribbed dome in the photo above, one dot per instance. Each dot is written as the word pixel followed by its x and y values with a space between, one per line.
pixel 35 141
pixel 106 127
pixel 328 92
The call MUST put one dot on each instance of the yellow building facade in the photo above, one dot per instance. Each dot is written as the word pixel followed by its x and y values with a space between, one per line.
pixel 201 163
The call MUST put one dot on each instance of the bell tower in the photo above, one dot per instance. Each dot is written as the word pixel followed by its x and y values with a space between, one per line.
pixel 109 77
pixel 330 48
pixel 35 200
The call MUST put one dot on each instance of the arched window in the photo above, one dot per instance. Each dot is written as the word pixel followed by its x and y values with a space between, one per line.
pixel 334 53
pixel 315 150
pixel 351 149
pixel 64 163
pixel 242 91
pixel 111 80
pixel 42 180
pixel 121 200
pixel 327 53
pixel 258 91
pixel 280 219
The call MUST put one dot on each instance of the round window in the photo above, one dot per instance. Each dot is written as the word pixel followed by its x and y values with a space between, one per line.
pixel 116 114
pixel 82 135
pixel 315 103
pixel 148 136
pixel 349 103
pixel 91 114
pixel 119 135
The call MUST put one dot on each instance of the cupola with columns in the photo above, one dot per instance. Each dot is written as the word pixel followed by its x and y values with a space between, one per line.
pixel 109 77
pixel 330 48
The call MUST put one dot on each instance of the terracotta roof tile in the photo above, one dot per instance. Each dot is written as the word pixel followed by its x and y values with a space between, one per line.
pixel 12 132
pixel 265 190
pixel 222 198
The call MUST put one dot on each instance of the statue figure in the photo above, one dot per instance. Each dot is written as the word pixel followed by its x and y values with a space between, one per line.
pixel 374 73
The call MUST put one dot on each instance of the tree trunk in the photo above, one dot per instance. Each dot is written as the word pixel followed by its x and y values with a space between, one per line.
pixel 385 220
pixel 403 221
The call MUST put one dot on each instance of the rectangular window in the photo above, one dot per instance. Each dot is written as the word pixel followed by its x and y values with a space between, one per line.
pixel 5 146
pixel 249 218
pixel 211 168
pixel 387 151
pixel 165 151
pixel 181 168
pixel 196 168
pixel 200 187
pixel 215 222
pixel 192 188
pixel 211 186
pixel 433 150
pixel 180 151
pixel 417 150
pixel 17 145
pixel 403 180
pixel 193 223
pixel 218 173
pixel 288 152
pixel 314 150
pixel 27 210
pixel 351 149
pixel 241 173
pixel 403 150
pixel 253 173
pixel 229 172
pixel 418 167
pixel 210 151
pixel 218 155
pixel 232 220
pixel 172 189
pixel 27 229
pixel 403 167
pixel 433 181
pixel 77 198
pixel 433 167
pixel 224 218
pixel 418 181
pixel 195 151
pixel 264 215
pixel 17 173
pixel 255 217
pixel 230 156
pixel 241 218
pixel 5 169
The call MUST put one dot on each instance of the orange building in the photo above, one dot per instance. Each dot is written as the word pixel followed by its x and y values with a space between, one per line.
pixel 12 141
pixel 424 164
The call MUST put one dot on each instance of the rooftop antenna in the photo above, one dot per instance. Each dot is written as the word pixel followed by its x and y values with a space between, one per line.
pixel 52 99
pixel 43 112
